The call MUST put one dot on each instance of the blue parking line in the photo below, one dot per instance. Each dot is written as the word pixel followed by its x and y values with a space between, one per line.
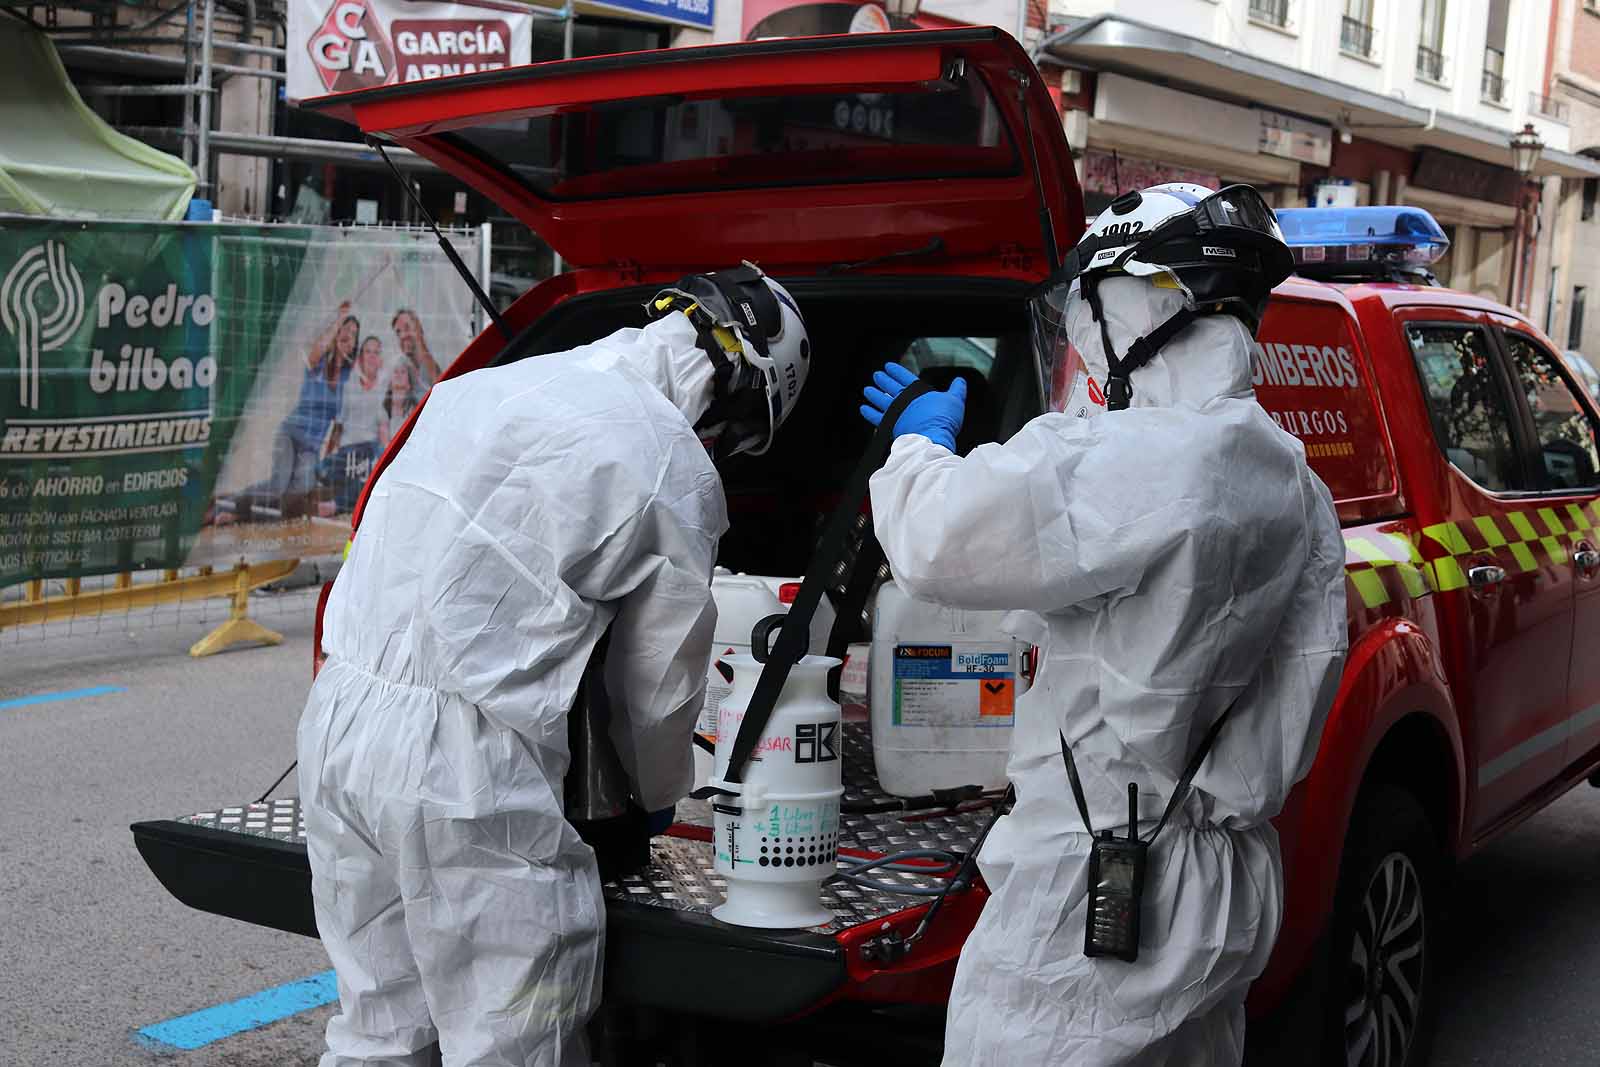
pixel 70 694
pixel 201 1028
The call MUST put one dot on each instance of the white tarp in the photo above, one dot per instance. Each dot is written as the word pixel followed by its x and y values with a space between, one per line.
pixel 58 158
pixel 339 45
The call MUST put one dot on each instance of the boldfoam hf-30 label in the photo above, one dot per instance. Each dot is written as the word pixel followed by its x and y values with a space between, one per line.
pixel 955 684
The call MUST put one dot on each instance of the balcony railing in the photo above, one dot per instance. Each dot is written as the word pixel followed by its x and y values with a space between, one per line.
pixel 1430 63
pixel 1355 36
pixel 1550 107
pixel 1494 87
pixel 1274 12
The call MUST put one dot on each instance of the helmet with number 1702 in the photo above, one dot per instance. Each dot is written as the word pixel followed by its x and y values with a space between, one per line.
pixel 1223 250
pixel 751 329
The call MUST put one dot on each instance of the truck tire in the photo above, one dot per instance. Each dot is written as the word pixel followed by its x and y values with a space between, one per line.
pixel 1384 963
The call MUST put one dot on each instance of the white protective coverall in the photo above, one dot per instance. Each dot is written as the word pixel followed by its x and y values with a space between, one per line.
pixel 534 505
pixel 1168 558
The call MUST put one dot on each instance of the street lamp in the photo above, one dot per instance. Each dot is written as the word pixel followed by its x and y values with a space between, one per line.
pixel 1525 149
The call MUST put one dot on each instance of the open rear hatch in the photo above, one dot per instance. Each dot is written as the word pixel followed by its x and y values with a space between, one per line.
pixel 940 150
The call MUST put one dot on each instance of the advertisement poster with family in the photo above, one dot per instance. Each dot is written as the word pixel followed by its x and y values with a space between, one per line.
pixel 371 322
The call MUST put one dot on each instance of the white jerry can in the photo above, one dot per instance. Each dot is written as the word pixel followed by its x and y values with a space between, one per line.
pixel 778 839
pixel 944 689
pixel 742 601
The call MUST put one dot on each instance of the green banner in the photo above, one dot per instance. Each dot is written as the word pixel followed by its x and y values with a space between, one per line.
pixel 194 394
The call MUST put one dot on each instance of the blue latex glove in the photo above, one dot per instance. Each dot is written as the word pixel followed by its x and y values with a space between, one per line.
pixel 936 416
pixel 659 821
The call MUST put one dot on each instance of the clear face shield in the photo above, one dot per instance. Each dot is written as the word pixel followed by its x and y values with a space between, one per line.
pixel 1066 380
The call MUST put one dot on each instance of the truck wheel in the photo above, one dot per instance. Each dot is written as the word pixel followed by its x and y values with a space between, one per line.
pixel 1384 965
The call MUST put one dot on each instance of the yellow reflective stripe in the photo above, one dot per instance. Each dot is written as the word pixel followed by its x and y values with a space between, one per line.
pixel 1449 535
pixel 347 545
pixel 1524 557
pixel 1447 574
pixel 1398 553
pixel 1490 530
pixel 1552 522
pixel 1412 578
pixel 1556 550
pixel 1579 520
pixel 1370 586
pixel 1405 548
pixel 1524 528
pixel 1368 551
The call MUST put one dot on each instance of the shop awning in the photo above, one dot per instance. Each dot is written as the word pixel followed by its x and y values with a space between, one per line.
pixel 1139 50
pixel 57 157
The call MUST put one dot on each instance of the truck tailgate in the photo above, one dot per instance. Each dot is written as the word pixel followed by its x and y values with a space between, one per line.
pixel 663 948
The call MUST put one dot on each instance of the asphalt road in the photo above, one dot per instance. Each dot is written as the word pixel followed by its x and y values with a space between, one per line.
pixel 1524 962
pixel 92 949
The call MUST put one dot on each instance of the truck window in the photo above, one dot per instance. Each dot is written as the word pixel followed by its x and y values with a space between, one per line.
pixel 925 353
pixel 1471 417
pixel 1566 436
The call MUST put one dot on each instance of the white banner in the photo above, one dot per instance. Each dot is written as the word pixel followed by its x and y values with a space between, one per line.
pixel 369 320
pixel 339 45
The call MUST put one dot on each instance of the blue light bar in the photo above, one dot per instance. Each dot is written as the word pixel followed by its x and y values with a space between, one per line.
pixel 1376 235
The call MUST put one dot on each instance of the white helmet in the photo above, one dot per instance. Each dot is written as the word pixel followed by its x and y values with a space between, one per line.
pixel 1223 250
pixel 751 329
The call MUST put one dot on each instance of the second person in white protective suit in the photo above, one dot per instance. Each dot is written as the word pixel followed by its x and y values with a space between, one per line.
pixel 535 507
pixel 1165 543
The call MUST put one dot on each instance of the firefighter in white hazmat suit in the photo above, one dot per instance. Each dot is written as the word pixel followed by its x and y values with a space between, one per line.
pixel 1173 559
pixel 534 506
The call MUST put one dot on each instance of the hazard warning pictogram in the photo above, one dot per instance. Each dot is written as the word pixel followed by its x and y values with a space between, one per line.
pixel 996 698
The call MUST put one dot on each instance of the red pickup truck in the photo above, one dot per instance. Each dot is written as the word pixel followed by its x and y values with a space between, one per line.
pixel 909 189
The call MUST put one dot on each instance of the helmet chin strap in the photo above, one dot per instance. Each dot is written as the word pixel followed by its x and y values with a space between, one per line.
pixel 1119 371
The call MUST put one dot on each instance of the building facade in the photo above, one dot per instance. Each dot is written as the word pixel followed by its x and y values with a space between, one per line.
pixel 1323 102
pixel 1312 101
pixel 1573 92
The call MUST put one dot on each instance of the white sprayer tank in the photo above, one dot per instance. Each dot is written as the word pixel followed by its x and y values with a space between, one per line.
pixel 944 688
pixel 776 842
pixel 742 601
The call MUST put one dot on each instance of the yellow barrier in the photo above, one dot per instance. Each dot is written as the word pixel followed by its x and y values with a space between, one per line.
pixel 37 608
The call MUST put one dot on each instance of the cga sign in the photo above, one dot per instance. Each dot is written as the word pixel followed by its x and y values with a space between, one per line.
pixel 361 44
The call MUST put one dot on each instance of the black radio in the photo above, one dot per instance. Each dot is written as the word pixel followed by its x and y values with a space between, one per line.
pixel 1117 865
pixel 1116 890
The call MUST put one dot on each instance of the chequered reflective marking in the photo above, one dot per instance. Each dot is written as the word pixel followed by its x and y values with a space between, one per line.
pixel 1371 555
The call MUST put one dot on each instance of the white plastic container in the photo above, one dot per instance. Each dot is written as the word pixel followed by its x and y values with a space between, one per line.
pixel 742 601
pixel 944 689
pixel 778 839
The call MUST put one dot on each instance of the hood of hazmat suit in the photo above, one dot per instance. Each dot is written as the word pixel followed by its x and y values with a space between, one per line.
pixel 1170 559
pixel 534 506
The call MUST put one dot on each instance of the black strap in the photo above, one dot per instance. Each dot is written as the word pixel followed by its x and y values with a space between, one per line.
pixel 263 797
pixel 794 639
pixel 1178 791
pixel 848 609
pixel 1119 386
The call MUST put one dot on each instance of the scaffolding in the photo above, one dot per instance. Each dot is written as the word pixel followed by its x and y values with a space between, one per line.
pixel 177 43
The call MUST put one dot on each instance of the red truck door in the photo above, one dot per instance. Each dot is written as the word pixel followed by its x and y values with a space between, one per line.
pixel 1561 429
pixel 1501 576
